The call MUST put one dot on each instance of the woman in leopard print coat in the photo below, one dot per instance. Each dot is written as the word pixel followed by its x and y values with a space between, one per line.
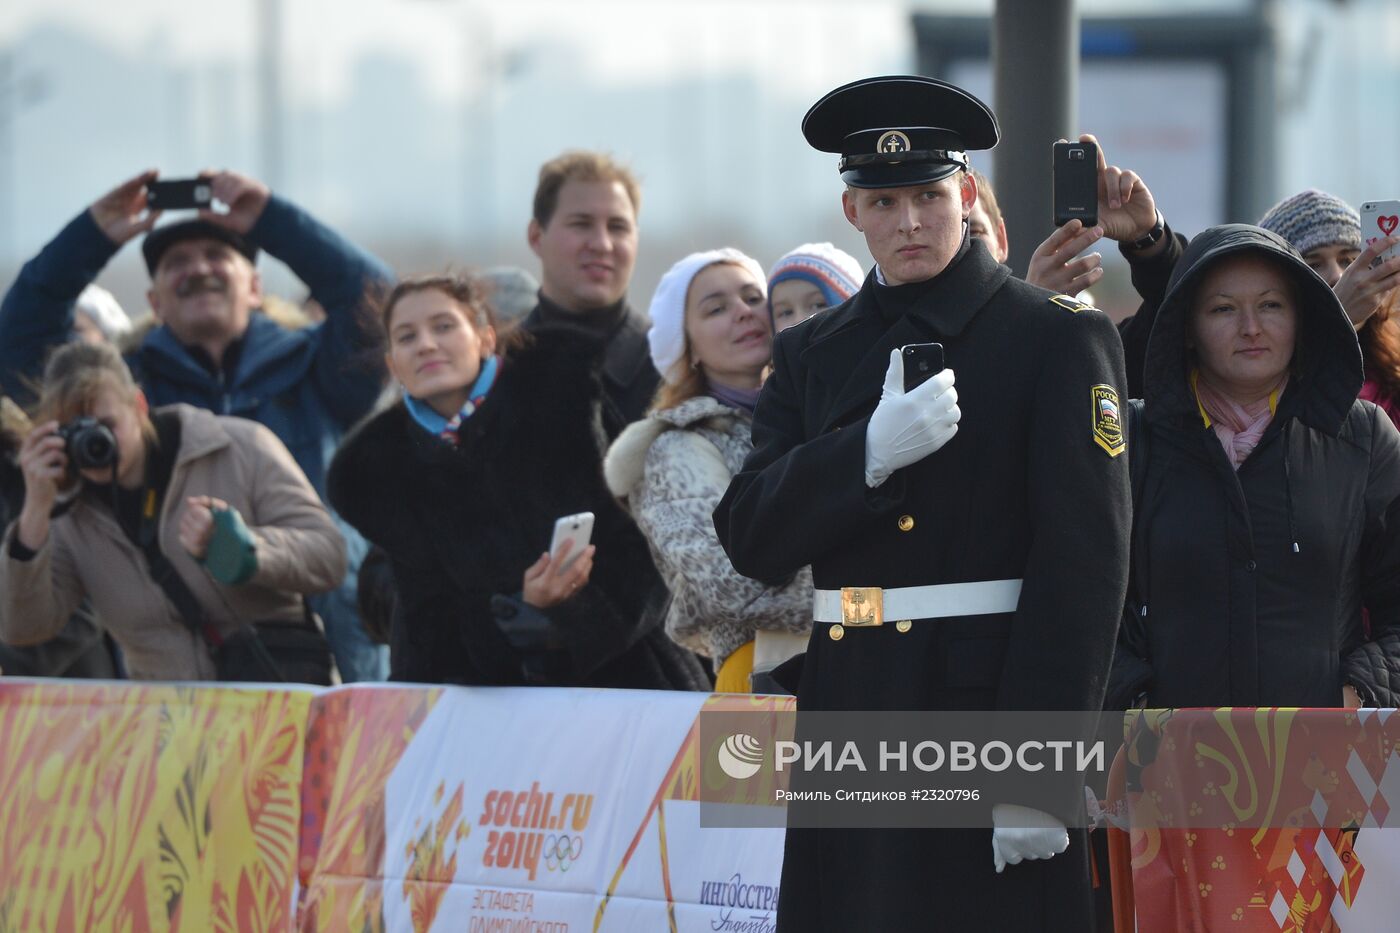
pixel 711 339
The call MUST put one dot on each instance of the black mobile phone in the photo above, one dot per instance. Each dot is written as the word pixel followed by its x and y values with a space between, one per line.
pixel 1076 183
pixel 921 360
pixel 180 194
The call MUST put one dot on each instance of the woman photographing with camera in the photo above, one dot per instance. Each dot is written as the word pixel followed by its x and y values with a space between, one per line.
pixel 193 536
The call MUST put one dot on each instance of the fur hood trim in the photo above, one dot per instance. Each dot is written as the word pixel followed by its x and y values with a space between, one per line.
pixel 626 460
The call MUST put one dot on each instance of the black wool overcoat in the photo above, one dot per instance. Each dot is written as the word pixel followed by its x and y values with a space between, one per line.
pixel 461 524
pixel 1254 580
pixel 1026 489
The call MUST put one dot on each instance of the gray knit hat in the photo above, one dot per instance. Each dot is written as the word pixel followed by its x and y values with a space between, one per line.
pixel 511 292
pixel 1314 218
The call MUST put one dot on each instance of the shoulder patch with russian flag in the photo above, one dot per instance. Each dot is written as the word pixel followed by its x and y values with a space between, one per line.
pixel 1108 420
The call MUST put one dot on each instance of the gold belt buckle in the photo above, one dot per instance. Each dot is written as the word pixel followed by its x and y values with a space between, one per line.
pixel 862 606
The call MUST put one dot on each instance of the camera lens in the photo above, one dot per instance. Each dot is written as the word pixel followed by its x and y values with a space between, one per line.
pixel 95 448
pixel 90 444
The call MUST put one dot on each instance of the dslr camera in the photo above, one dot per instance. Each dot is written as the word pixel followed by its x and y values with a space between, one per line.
pixel 89 444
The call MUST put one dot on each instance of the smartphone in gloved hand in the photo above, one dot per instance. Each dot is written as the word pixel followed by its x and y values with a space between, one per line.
pixel 921 361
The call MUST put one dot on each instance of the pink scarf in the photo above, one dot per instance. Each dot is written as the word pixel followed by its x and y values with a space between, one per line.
pixel 1237 426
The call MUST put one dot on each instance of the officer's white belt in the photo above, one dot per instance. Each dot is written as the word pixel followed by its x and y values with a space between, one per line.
pixel 937 601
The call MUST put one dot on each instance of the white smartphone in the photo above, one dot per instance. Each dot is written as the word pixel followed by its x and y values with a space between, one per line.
pixel 1380 219
pixel 576 528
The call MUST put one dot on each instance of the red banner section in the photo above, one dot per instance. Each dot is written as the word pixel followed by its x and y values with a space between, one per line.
pixel 1264 819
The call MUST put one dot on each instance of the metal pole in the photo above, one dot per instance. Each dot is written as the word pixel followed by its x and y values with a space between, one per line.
pixel 270 90
pixel 9 110
pixel 490 67
pixel 1254 122
pixel 1035 68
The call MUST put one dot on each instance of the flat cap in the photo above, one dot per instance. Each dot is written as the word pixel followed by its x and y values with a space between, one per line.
pixel 162 238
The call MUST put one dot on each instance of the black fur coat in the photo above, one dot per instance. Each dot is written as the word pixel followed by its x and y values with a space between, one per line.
pixel 461 524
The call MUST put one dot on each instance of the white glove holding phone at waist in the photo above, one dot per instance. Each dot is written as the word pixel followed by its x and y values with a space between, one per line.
pixel 907 427
pixel 1022 833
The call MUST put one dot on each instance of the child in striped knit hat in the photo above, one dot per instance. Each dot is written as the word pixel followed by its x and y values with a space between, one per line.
pixel 812 277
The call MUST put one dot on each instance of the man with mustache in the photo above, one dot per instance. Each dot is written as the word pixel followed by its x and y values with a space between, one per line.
pixel 969 545
pixel 212 348
pixel 584 230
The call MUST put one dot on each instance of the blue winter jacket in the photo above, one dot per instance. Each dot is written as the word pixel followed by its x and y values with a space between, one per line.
pixel 307 386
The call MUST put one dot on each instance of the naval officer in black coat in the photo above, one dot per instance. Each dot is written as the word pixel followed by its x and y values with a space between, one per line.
pixel 1006 472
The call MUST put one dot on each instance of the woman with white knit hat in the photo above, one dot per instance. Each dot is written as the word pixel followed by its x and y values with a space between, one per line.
pixel 98 318
pixel 711 339
pixel 810 278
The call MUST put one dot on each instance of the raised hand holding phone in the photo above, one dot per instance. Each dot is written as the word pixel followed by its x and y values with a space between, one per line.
pixel 122 213
pixel 242 197
pixel 1076 183
pixel 178 194
pixel 1380 220
pixel 1376 271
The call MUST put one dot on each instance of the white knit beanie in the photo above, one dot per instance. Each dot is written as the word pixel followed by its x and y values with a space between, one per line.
pixel 102 306
pixel 667 333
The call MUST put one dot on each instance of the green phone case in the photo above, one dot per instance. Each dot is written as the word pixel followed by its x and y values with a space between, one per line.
pixel 232 557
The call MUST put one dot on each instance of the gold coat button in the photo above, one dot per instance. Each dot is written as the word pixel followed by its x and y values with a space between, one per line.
pixel 837 632
pixel 903 625
pixel 906 523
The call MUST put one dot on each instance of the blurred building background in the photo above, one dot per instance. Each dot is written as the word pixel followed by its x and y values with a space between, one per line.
pixel 416 127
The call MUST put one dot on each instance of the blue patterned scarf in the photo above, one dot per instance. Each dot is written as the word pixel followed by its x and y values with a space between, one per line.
pixel 446 428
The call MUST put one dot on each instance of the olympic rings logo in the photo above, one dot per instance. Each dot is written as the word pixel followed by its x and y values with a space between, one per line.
pixel 561 851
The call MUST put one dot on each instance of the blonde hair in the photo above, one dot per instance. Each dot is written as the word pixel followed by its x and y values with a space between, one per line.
pixel 76 374
pixel 987 198
pixel 691 384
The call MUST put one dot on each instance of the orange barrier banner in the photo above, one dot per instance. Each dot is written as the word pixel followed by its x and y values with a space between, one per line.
pixel 148 807
pixel 135 807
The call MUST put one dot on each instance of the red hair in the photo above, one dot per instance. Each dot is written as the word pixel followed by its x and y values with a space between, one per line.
pixel 1380 345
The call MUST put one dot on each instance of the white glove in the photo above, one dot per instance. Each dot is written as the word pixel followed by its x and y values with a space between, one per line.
pixel 907 428
pixel 1021 833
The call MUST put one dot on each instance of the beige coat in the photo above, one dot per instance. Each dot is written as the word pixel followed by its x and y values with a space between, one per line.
pixel 87 555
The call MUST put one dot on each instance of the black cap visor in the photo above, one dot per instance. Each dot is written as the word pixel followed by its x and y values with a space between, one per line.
pixel 882 174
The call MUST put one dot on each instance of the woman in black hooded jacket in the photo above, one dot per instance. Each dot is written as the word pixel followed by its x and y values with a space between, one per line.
pixel 1267 497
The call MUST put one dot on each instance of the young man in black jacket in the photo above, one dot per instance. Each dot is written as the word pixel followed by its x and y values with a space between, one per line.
pixel 584 230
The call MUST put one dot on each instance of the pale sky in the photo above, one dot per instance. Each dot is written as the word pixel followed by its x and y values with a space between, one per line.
pixel 389 135
pixel 624 40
